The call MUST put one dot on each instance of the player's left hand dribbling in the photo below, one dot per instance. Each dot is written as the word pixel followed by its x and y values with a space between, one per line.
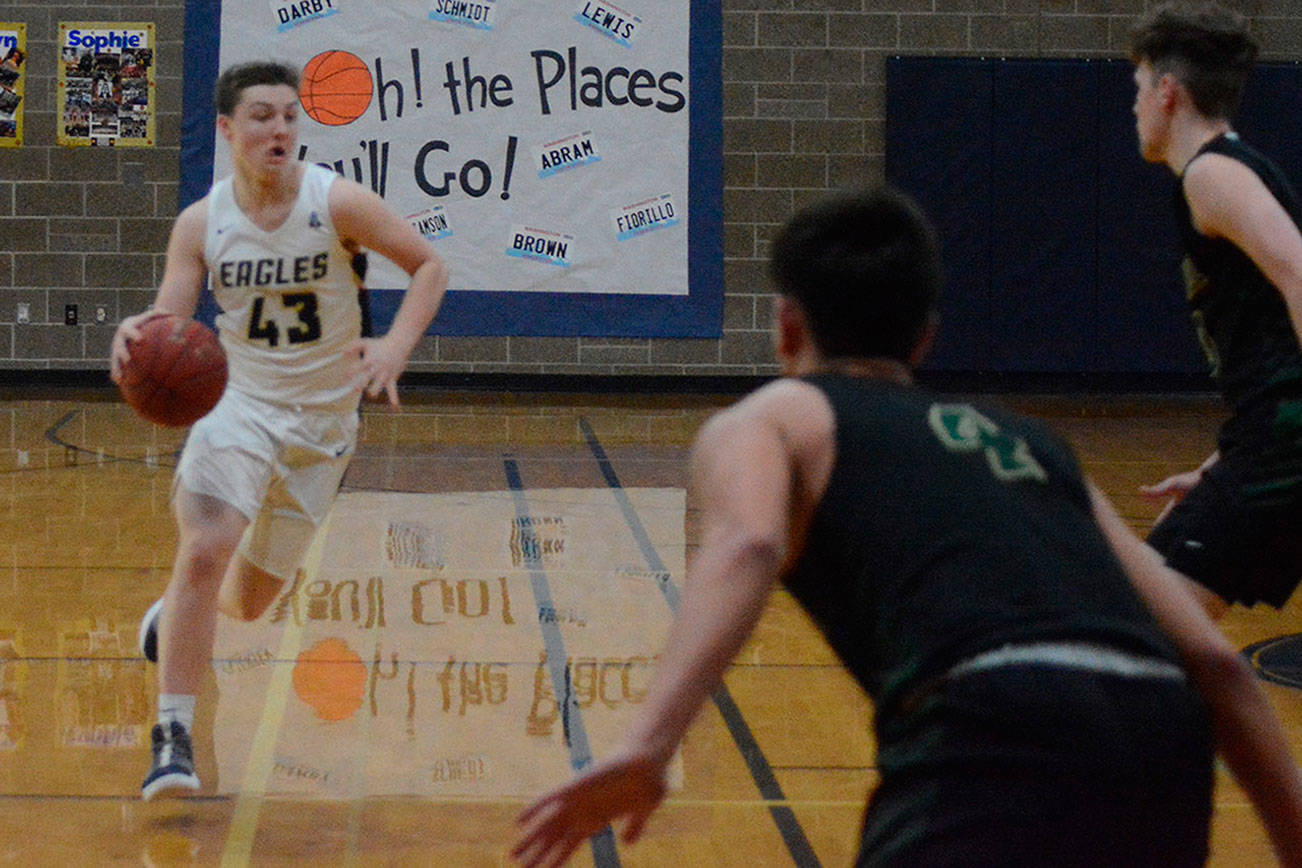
pixel 128 330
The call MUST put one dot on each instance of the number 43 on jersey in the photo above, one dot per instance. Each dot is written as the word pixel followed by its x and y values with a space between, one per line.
pixel 305 329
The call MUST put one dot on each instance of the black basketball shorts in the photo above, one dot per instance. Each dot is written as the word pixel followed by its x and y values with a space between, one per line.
pixel 1031 765
pixel 1236 533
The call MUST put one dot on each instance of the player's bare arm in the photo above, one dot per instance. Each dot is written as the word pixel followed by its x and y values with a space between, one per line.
pixel 362 217
pixel 183 278
pixel 1228 200
pixel 1248 733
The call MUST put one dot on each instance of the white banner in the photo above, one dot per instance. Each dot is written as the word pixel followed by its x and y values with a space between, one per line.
pixel 540 146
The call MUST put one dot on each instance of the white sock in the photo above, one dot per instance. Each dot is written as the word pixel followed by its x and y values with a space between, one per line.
pixel 178 707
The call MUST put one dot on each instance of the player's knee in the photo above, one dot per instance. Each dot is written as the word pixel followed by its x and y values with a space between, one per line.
pixel 1213 604
pixel 249 607
pixel 1215 607
pixel 245 609
pixel 253 590
pixel 203 557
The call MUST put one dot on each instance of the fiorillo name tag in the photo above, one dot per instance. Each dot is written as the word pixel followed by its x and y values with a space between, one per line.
pixel 647 215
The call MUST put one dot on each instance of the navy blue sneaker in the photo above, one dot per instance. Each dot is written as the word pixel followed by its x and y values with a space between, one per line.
pixel 148 635
pixel 173 768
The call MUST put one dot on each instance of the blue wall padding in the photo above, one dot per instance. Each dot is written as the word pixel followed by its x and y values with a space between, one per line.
pixel 1059 240
pixel 945 163
pixel 1042 221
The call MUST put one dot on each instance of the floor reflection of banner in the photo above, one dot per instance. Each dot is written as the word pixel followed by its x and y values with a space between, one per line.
pixel 103 694
pixel 13 676
pixel 421 670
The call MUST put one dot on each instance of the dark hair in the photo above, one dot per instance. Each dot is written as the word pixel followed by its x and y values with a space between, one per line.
pixel 864 265
pixel 1206 46
pixel 232 82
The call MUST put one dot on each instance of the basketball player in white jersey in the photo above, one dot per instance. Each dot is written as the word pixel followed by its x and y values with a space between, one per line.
pixel 258 474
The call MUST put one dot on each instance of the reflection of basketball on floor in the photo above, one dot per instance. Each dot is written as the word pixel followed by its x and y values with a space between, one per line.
pixel 335 88
pixel 331 679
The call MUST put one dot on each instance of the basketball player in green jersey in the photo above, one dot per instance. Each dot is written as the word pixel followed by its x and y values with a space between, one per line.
pixel 1042 682
pixel 1234 525
pixel 277 239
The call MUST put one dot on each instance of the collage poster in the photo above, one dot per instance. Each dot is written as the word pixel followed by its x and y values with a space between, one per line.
pixel 13 72
pixel 106 84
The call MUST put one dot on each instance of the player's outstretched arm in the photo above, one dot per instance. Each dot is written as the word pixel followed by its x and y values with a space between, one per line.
pixel 742 476
pixel 624 787
pixel 363 217
pixel 1249 736
pixel 183 278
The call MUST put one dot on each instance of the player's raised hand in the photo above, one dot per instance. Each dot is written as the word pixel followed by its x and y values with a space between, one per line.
pixel 627 786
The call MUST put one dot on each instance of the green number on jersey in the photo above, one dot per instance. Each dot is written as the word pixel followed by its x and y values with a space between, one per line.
pixel 960 428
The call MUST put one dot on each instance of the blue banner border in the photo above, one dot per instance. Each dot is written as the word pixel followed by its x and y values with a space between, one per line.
pixel 699 314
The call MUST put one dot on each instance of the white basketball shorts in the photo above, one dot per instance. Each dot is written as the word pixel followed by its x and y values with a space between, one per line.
pixel 278 466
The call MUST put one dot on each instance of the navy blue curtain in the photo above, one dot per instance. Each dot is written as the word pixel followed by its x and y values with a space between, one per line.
pixel 1059 240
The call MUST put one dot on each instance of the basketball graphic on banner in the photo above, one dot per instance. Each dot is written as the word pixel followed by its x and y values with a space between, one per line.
pixel 335 88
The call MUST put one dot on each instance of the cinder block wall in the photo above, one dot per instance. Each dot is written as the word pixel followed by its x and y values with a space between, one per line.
pixel 804 99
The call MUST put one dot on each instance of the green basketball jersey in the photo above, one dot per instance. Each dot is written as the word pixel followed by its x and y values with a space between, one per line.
pixel 948 529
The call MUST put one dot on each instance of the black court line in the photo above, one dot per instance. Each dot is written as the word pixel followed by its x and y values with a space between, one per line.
pixel 72 450
pixel 604 854
pixel 802 854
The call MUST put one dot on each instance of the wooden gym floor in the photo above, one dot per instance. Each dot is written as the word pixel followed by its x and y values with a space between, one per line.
pixel 480 613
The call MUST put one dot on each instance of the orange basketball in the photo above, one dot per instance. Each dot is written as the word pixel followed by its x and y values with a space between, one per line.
pixel 335 88
pixel 176 371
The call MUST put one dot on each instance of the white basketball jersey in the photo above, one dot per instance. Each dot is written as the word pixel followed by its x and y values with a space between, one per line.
pixel 288 298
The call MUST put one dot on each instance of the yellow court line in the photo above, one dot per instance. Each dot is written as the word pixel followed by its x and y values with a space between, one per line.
pixel 352 852
pixel 257 770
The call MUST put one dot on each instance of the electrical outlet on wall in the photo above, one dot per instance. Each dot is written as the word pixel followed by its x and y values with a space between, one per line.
pixel 101 313
pixel 24 313
pixel 69 314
